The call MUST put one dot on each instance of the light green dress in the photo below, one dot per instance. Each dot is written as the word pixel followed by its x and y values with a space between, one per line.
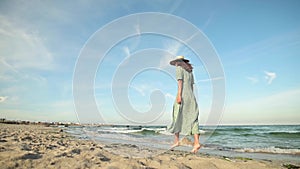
pixel 185 115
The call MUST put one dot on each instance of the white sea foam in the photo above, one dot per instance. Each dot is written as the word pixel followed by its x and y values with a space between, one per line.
pixel 273 150
pixel 124 131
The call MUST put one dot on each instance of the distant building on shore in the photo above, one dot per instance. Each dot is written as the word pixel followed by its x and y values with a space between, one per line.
pixel 65 124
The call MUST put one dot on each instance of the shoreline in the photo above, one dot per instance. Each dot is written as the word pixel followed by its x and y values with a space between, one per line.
pixel 66 124
pixel 38 146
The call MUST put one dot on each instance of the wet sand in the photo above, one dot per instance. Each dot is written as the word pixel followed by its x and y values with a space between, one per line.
pixel 37 146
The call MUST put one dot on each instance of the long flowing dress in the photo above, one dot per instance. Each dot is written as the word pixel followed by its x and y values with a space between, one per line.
pixel 185 115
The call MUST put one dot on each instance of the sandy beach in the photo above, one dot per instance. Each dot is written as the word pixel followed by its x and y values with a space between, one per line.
pixel 37 146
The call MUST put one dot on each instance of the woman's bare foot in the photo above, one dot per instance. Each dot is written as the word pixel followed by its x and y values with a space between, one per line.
pixel 175 145
pixel 196 148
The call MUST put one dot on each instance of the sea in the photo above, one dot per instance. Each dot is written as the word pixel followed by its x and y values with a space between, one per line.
pixel 263 142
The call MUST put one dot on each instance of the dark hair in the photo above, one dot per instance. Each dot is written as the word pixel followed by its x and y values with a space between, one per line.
pixel 185 65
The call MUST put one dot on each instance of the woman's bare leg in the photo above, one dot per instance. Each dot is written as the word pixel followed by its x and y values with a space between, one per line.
pixel 176 140
pixel 197 144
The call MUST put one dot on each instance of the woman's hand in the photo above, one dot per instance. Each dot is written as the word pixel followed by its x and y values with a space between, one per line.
pixel 178 99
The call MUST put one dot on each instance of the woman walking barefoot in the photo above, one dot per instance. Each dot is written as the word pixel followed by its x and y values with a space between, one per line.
pixel 185 108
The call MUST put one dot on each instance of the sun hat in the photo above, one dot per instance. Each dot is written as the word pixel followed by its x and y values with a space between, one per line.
pixel 178 58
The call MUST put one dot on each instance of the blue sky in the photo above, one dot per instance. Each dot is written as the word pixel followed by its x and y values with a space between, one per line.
pixel 257 42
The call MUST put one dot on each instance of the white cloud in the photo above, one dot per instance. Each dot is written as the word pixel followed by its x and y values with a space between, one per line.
pixel 172 48
pixel 164 62
pixel 6 66
pixel 253 80
pixel 126 51
pixel 3 98
pixel 21 48
pixel 168 95
pixel 209 79
pixel 138 29
pixel 208 21
pixel 141 89
pixel 270 76
pixel 191 37
pixel 11 74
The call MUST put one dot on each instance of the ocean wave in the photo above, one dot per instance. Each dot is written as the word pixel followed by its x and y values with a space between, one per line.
pixel 148 131
pixel 141 131
pixel 270 150
pixel 165 132
pixel 285 134
pixel 235 129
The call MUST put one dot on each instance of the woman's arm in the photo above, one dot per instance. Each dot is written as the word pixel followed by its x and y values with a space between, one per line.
pixel 179 93
pixel 192 84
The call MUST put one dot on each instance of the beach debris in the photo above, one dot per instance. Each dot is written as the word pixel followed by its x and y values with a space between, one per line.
pixel 30 156
pixel 51 146
pixel 76 151
pixel 2 149
pixel 25 147
pixel 228 159
pixel 144 166
pixel 103 157
pixel 26 138
pixel 291 166
pixel 62 154
pixel 243 158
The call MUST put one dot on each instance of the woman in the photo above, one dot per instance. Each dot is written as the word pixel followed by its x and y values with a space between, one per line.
pixel 185 109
